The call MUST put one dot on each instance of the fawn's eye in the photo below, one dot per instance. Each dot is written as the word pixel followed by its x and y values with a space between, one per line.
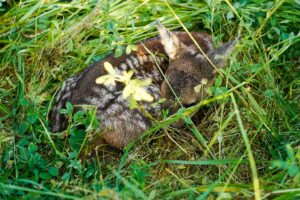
pixel 189 105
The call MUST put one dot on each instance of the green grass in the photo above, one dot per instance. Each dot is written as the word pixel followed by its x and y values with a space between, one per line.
pixel 246 144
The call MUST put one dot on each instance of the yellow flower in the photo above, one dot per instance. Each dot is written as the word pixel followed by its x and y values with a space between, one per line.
pixel 108 79
pixel 136 89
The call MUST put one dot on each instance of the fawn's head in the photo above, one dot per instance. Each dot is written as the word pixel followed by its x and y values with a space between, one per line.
pixel 188 68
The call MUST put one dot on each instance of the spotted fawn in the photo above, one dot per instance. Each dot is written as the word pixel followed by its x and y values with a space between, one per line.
pixel 178 58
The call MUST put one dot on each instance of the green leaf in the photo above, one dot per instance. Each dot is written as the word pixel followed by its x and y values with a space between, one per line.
pixel 55 24
pixel 32 148
pixel 132 103
pixel 66 176
pixel 159 102
pixel 255 67
pixel 45 176
pixel 284 36
pixel 23 127
pixel 53 171
pixel 218 81
pixel 290 151
pixel 24 102
pixel 63 111
pixel 32 10
pixel 69 107
pixel 73 154
pixel 220 90
pixel 110 26
pixel 76 139
pixel 106 6
pixel 119 51
pixel 243 2
pixel 89 173
pixel 23 153
pixel 277 30
pixel 165 113
pixel 279 164
pixel 273 21
pixel 224 196
pixel 152 195
pixel 208 2
pixel 78 117
pixel 75 164
pixel 229 15
pixel 130 48
pixel 32 118
pixel 70 45
pixel 269 93
pixel 23 142
pixel 293 170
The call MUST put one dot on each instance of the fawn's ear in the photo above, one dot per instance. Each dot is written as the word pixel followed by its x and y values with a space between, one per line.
pixel 170 41
pixel 220 55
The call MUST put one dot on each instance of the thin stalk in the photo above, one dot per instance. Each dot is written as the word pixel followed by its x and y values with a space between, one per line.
pixel 249 151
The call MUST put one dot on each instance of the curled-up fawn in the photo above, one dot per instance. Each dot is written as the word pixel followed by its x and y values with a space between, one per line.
pixel 181 62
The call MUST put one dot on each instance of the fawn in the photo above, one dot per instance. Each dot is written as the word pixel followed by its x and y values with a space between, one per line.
pixel 179 59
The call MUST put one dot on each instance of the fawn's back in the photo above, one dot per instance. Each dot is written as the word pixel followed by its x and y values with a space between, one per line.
pixel 177 56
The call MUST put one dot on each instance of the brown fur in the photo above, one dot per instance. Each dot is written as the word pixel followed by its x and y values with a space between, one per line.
pixel 179 59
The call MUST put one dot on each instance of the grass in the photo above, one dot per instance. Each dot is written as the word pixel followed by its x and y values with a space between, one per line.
pixel 244 143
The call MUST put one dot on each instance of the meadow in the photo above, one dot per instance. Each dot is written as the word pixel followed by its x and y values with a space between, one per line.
pixel 243 144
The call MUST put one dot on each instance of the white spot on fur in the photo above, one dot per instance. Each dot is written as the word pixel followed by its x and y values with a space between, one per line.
pixel 200 56
pixel 107 98
pixel 110 88
pixel 66 95
pixel 141 60
pixel 134 61
pixel 154 90
pixel 118 71
pixel 208 43
pixel 145 58
pixel 125 115
pixel 151 59
pixel 97 90
pixel 60 92
pixel 123 66
pixel 94 101
pixel 120 99
pixel 161 59
pixel 113 110
pixel 140 76
pixel 59 106
pixel 142 124
pixel 129 63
